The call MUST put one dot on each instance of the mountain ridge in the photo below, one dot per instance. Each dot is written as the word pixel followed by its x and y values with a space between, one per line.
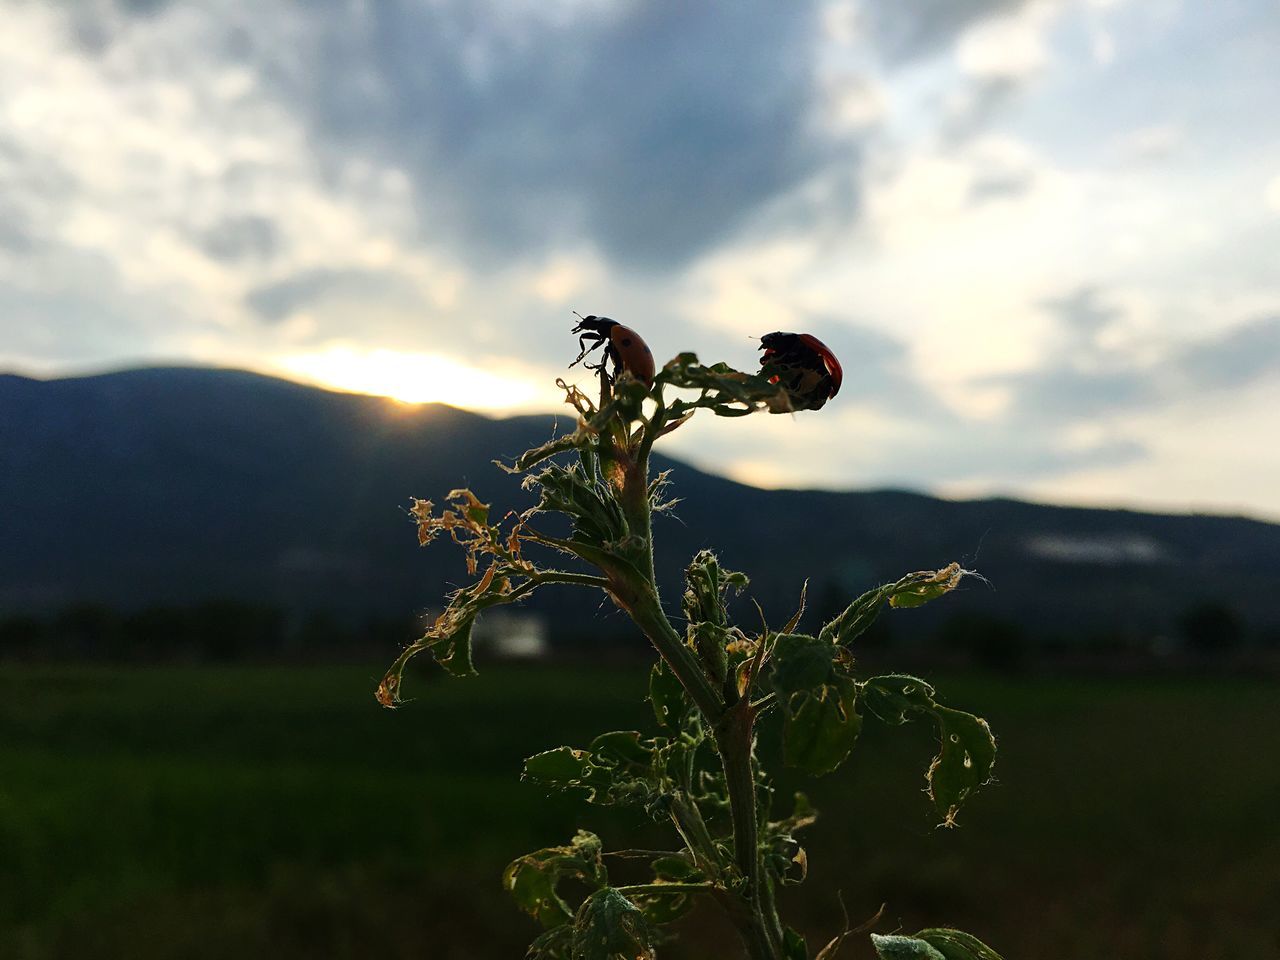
pixel 169 485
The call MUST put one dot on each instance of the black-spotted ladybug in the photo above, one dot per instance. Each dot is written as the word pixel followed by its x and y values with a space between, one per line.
pixel 623 346
pixel 803 365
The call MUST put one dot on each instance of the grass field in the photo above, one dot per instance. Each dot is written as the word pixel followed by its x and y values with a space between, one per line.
pixel 276 812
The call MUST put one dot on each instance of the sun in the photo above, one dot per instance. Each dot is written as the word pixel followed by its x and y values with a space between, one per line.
pixel 412 377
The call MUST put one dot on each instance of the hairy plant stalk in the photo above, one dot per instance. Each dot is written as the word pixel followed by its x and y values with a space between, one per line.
pixel 711 687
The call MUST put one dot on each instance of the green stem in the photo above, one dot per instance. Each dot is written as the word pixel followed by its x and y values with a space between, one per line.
pixel 735 736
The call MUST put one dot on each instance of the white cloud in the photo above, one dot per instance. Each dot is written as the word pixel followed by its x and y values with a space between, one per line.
pixel 1271 194
pixel 1010 47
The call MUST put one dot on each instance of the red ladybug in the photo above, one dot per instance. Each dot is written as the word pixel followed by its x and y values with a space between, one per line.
pixel 804 365
pixel 623 346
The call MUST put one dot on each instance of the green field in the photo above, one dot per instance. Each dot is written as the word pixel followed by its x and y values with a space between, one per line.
pixel 276 812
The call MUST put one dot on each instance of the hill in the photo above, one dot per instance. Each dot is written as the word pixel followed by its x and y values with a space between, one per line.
pixel 170 486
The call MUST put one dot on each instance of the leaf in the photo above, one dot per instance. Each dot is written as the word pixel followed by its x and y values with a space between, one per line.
pixel 619 768
pixel 554 944
pixel 967 751
pixel 963 764
pixel 891 698
pixel 803 815
pixel 917 589
pixel 904 948
pixel 913 590
pixel 957 945
pixel 608 926
pixel 820 727
pixel 675 869
pixel 667 696
pixel 794 946
pixel 533 878
pixel 800 662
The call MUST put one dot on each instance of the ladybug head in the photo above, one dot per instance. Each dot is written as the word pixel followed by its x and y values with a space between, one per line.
pixel 594 325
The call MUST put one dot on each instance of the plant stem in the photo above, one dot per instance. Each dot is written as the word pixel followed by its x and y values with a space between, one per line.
pixel 754 911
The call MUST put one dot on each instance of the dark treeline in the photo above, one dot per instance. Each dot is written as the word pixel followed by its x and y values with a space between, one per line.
pixel 1209 634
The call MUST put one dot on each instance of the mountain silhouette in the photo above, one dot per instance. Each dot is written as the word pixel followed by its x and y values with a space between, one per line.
pixel 171 486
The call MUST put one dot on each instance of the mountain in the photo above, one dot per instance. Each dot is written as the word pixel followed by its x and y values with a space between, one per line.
pixel 169 486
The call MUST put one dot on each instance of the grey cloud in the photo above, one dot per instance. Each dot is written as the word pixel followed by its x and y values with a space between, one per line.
pixel 905 31
pixel 877 371
pixel 313 288
pixel 240 238
pixel 997 185
pixel 653 129
pixel 1235 359
pixel 1084 311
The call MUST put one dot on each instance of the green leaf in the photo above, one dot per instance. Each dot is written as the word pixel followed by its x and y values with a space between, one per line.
pixel 913 590
pixel 532 879
pixel 917 589
pixel 800 662
pixel 967 752
pixel 794 946
pixel 957 945
pixel 562 767
pixel 554 944
pixel 667 696
pixel 893 697
pixel 453 650
pixel 820 726
pixel 904 948
pixel 963 764
pixel 675 869
pixel 608 926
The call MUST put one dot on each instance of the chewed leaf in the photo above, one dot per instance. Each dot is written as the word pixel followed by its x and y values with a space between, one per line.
pixel 666 694
pixel 533 879
pixel 619 768
pixel 917 589
pixel 904 948
pixel 957 945
pixel 800 662
pixel 964 762
pixel 913 590
pixel 967 750
pixel 893 697
pixel 820 726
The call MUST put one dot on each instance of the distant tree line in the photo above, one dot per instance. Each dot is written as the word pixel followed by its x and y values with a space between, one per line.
pixel 230 631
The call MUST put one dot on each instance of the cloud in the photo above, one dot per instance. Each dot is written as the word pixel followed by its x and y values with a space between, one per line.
pixel 1234 359
pixel 906 31
pixel 278 301
pixel 651 129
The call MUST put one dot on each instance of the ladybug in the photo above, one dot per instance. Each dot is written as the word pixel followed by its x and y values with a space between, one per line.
pixel 623 346
pixel 802 364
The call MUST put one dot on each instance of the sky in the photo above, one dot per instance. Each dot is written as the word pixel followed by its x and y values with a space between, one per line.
pixel 1043 236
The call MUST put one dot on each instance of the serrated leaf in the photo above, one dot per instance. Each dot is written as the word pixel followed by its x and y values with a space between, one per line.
pixel 964 762
pixel 904 948
pixel 957 945
pixel 667 696
pixel 820 726
pixel 532 879
pixel 608 926
pixel 894 697
pixel 800 662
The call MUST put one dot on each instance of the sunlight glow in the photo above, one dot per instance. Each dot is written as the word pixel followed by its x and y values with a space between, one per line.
pixel 413 377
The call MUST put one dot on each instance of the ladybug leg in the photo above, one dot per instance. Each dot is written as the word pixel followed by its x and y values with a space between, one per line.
pixel 596 339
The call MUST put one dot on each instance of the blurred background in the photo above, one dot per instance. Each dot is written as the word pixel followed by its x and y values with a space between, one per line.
pixel 269 270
